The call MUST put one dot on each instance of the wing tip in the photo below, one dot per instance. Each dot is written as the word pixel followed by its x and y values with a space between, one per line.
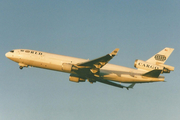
pixel 114 52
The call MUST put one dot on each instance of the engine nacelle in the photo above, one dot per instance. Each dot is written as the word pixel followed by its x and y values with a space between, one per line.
pixel 146 66
pixel 140 64
pixel 68 67
pixel 171 68
pixel 77 79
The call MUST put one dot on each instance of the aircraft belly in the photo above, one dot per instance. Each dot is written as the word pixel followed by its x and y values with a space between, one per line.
pixel 52 65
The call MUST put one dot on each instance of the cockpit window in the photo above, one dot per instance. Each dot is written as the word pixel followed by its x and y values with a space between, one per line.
pixel 12 51
pixel 29 51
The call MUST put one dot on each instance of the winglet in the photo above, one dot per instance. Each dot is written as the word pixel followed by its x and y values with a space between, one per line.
pixel 114 52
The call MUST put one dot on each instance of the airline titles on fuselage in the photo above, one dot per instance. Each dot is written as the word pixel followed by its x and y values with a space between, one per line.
pixel 149 66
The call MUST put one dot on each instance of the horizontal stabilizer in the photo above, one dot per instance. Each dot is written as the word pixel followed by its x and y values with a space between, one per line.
pixel 153 73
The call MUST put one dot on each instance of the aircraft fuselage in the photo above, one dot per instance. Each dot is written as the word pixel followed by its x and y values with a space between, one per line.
pixel 60 63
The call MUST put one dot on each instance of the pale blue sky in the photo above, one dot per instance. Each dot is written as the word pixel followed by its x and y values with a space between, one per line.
pixel 88 29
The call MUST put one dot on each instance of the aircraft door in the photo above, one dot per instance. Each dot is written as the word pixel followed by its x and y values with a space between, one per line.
pixel 19 56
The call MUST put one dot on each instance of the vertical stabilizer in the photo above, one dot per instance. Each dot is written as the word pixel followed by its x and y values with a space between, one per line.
pixel 161 57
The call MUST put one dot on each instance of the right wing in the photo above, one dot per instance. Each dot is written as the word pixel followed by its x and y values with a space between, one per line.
pixel 115 84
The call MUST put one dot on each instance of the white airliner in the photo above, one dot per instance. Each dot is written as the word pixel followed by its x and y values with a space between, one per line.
pixel 97 69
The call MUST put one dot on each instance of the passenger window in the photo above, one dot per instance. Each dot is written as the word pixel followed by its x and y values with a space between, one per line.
pixel 35 52
pixel 27 51
pixel 32 52
pixel 22 50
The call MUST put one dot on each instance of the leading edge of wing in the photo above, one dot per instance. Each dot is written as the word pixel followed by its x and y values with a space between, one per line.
pixel 101 61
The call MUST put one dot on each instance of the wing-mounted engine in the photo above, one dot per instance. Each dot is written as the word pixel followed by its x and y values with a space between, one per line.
pixel 68 67
pixel 75 78
pixel 92 67
pixel 140 64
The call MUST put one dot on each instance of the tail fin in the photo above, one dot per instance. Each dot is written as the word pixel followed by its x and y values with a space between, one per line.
pixel 161 57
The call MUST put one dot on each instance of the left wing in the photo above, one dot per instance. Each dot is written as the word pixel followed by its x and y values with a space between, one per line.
pixel 91 68
pixel 99 62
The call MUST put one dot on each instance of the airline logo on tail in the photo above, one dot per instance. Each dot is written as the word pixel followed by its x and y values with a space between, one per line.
pixel 160 57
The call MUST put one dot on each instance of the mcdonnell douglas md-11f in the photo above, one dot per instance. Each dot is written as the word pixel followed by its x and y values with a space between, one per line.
pixel 97 69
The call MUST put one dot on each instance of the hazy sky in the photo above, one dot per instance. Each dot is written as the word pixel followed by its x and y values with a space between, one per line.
pixel 88 29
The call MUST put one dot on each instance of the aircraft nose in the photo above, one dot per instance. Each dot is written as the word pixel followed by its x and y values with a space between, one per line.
pixel 7 55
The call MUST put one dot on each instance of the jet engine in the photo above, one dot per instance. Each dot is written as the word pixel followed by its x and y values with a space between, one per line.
pixel 75 78
pixel 67 67
pixel 140 64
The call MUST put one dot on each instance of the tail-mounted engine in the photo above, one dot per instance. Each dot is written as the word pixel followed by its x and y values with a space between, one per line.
pixel 140 64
